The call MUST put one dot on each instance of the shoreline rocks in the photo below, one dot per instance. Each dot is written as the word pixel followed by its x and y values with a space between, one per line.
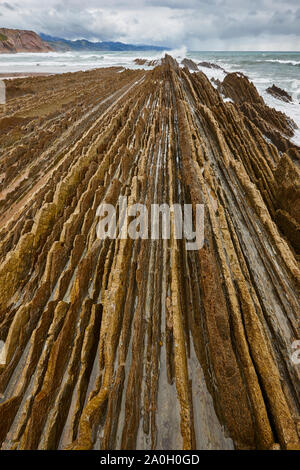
pixel 210 65
pixel 148 63
pixel 142 343
pixel 279 93
pixel 274 124
pixel 190 64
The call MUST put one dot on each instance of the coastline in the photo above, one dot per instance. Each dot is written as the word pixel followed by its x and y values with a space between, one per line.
pixel 83 316
pixel 264 69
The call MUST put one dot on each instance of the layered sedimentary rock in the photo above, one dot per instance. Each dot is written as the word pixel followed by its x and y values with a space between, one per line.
pixel 210 65
pixel 17 40
pixel 190 64
pixel 239 88
pixel 141 344
pixel 279 93
pixel 274 124
pixel 149 63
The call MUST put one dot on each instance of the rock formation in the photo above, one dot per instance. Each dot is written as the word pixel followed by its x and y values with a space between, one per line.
pixel 16 40
pixel 239 88
pixel 149 63
pixel 190 64
pixel 279 93
pixel 274 124
pixel 210 65
pixel 141 344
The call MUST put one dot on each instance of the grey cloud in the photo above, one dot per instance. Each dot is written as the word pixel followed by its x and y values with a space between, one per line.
pixel 278 23
pixel 8 6
pixel 194 23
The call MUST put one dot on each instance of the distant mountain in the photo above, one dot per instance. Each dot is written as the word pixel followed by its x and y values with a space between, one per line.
pixel 63 45
pixel 17 40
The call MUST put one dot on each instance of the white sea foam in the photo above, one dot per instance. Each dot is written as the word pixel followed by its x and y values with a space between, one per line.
pixel 180 53
pixel 281 61
pixel 213 73
pixel 290 109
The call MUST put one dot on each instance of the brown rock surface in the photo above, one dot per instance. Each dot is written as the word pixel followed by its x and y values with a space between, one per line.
pixel 239 88
pixel 279 93
pixel 210 65
pixel 149 63
pixel 126 344
pixel 274 124
pixel 190 64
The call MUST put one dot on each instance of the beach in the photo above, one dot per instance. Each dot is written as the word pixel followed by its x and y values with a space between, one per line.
pixel 143 343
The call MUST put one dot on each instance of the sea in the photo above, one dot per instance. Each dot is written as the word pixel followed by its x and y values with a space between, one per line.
pixel 263 68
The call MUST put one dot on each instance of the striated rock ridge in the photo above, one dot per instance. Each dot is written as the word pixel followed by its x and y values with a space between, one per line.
pixel 123 344
pixel 190 64
pixel 279 93
pixel 274 124
pixel 16 40
pixel 149 63
pixel 211 65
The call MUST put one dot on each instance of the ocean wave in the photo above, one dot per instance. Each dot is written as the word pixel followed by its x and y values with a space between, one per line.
pixel 281 61
pixel 179 53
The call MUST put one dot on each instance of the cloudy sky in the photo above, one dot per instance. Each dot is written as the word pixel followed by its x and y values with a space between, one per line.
pixel 196 24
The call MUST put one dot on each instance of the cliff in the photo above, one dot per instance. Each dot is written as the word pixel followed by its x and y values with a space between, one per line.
pixel 16 40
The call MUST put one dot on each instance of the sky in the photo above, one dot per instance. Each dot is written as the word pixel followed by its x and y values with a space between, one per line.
pixel 199 25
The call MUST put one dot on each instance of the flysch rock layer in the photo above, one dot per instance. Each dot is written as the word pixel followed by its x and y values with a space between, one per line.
pixel 141 344
pixel 279 93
